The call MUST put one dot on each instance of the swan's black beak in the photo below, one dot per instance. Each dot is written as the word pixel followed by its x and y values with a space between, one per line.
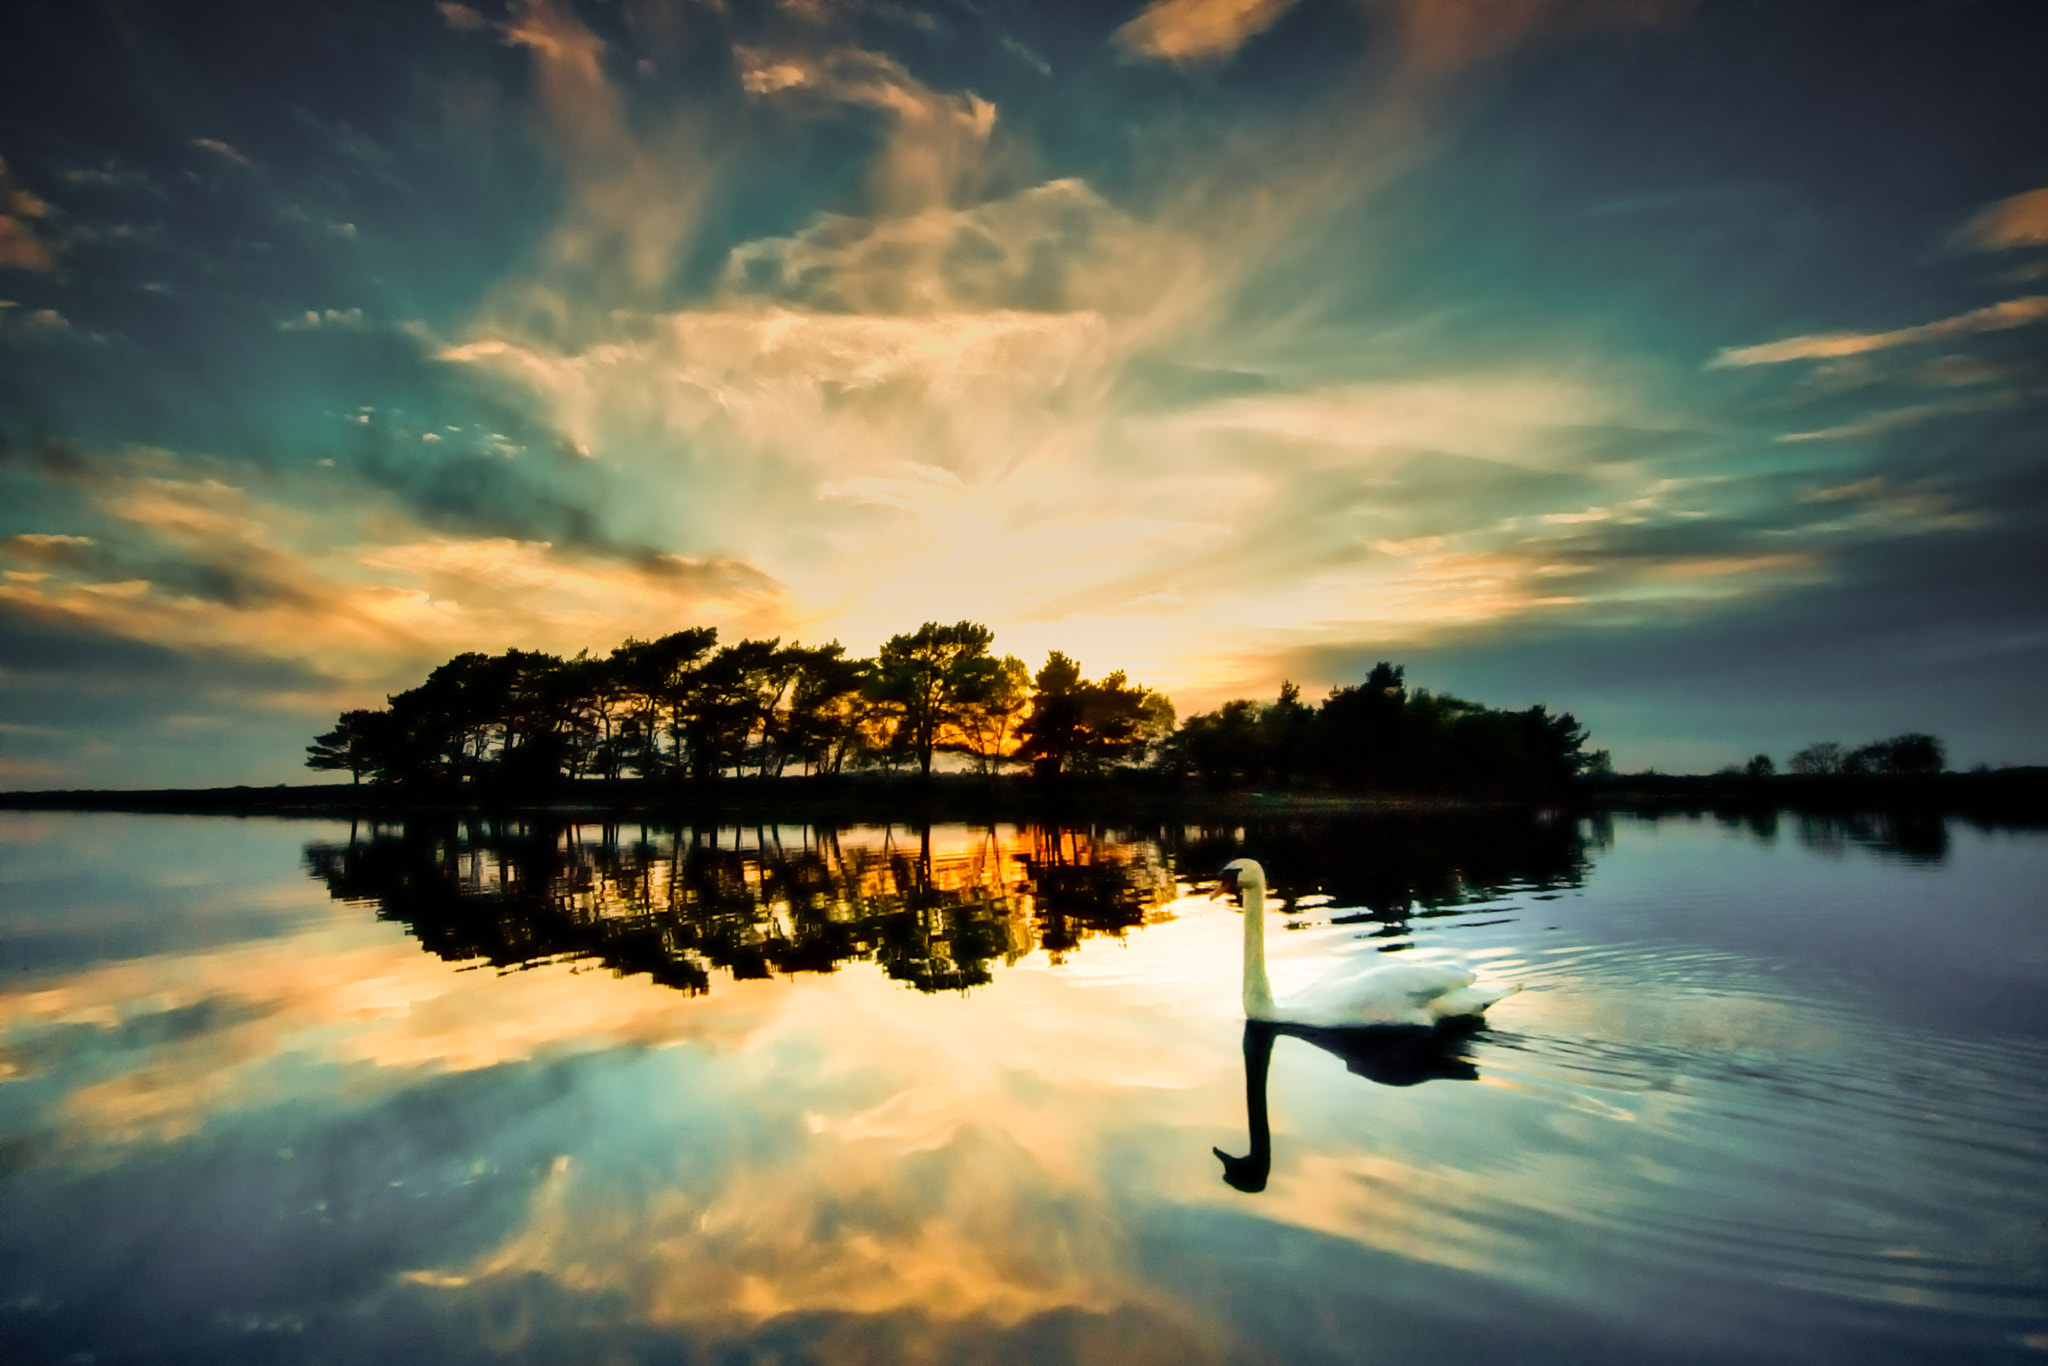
pixel 1229 882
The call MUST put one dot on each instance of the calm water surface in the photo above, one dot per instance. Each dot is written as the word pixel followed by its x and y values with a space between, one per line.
pixel 279 1091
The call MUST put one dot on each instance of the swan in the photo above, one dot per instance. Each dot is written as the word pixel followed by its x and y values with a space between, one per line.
pixel 1362 992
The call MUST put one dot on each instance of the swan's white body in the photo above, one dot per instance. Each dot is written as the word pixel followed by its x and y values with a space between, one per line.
pixel 1368 991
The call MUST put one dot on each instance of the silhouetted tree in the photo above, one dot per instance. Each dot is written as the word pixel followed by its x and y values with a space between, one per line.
pixel 1076 725
pixel 989 726
pixel 1912 755
pixel 728 698
pixel 1221 747
pixel 1360 740
pixel 359 742
pixel 927 677
pixel 1760 766
pixel 1822 759
pixel 1287 737
pixel 826 720
pixel 1378 736
pixel 657 677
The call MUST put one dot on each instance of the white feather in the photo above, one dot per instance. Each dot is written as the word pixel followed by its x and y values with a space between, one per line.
pixel 1362 992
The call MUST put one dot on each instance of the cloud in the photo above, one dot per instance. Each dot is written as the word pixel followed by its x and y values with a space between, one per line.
pixel 936 141
pixel 1876 424
pixel 2021 221
pixel 354 592
pixel 1051 248
pixel 635 197
pixel 23 219
pixel 222 150
pixel 459 16
pixel 313 320
pixel 1187 32
pixel 16 321
pixel 1429 36
pixel 1997 317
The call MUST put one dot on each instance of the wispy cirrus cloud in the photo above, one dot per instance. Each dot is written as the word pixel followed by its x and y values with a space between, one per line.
pixel 222 150
pixel 1999 317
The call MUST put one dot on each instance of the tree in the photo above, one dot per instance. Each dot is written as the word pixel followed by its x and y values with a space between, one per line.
pixel 829 714
pixel 656 676
pixel 1912 755
pixel 1360 736
pixel 1760 766
pixel 1915 755
pixel 728 700
pixel 1076 725
pixel 360 742
pixel 989 727
pixel 1221 747
pixel 1287 736
pixel 1822 759
pixel 927 678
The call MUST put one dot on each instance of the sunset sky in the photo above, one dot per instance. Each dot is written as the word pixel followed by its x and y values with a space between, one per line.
pixel 1679 365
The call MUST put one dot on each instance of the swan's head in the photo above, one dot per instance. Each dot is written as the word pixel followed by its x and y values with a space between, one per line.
pixel 1239 874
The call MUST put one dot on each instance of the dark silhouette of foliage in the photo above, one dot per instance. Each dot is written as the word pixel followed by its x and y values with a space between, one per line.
pixel 1377 736
pixel 683 706
pixel 1823 759
pixel 928 678
pixel 1911 755
pixel 358 743
pixel 989 728
pixel 1084 727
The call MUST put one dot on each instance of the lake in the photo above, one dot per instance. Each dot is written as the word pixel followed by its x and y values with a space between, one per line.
pixel 1775 1089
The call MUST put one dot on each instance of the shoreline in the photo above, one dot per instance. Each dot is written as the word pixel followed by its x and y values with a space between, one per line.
pixel 2018 794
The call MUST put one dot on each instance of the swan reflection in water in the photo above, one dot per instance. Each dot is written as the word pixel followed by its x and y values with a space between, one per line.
pixel 1388 1056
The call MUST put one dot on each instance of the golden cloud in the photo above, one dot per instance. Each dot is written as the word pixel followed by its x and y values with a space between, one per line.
pixel 368 597
pixel 1192 31
pixel 2021 221
pixel 1997 317
pixel 22 216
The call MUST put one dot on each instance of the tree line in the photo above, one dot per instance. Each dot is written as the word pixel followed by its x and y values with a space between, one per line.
pixel 684 708
pixel 1379 736
pixel 1914 754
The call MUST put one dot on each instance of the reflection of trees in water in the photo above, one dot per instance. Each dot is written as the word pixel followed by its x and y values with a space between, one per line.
pixel 676 903
pixel 1921 836
pixel 1405 867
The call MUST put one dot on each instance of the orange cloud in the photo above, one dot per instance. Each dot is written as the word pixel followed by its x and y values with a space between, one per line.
pixel 2021 221
pixel 1192 31
pixel 363 598
pixel 936 143
pixel 1997 317
pixel 22 216
pixel 1430 35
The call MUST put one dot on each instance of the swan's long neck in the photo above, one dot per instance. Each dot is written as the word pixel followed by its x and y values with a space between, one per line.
pixel 1258 993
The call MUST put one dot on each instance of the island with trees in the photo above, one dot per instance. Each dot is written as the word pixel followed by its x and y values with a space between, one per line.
pixel 939 723
pixel 682 713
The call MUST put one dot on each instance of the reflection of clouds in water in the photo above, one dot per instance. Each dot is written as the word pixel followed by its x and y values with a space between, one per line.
pixel 952 1165
pixel 285 1009
pixel 862 1171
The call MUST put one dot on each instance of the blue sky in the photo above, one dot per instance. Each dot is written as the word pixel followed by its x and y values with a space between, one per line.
pixel 1679 365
